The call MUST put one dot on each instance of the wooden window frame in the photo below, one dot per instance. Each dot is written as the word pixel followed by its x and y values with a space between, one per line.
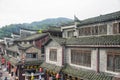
pixel 116 28
pixel 81 57
pixel 102 29
pixel 53 55
pixel 70 33
pixel 114 55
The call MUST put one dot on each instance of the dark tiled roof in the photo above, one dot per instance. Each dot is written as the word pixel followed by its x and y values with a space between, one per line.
pixel 12 60
pixel 98 41
pixel 95 40
pixel 53 29
pixel 13 48
pixel 86 74
pixel 101 18
pixel 15 33
pixel 59 40
pixel 33 37
pixel 51 67
pixel 7 36
pixel 24 46
pixel 32 50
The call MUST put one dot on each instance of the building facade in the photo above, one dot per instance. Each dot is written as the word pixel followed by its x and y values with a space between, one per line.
pixel 89 50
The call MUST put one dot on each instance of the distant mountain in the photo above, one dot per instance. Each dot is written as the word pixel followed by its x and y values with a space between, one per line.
pixel 52 22
pixel 15 28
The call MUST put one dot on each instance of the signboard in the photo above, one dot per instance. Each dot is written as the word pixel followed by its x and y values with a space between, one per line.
pixel 32 67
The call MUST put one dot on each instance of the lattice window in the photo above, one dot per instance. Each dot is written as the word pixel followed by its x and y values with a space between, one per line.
pixel 53 55
pixel 81 57
pixel 71 33
pixel 116 28
pixel 103 29
pixel 113 61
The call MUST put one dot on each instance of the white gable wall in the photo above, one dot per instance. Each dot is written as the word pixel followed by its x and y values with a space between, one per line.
pixel 54 45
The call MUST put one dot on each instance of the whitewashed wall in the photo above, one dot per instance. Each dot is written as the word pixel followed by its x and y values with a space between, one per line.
pixel 93 59
pixel 54 45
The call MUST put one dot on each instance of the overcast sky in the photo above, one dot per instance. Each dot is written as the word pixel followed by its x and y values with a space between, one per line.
pixel 23 11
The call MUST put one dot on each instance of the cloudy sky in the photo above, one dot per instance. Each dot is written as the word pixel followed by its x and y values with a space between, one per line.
pixel 27 11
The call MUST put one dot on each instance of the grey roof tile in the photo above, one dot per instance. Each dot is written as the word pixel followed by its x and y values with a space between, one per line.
pixel 33 37
pixel 95 40
pixel 101 18
pixel 86 74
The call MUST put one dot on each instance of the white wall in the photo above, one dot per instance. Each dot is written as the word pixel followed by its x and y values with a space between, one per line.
pixel 93 59
pixel 103 60
pixel 54 45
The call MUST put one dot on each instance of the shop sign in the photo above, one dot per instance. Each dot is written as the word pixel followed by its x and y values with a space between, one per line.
pixel 32 67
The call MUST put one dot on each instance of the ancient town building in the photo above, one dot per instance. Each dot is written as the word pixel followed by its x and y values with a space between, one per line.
pixel 89 50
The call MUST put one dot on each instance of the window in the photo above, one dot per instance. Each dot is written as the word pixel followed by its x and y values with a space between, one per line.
pixel 113 61
pixel 103 29
pixel 81 57
pixel 71 33
pixel 116 28
pixel 31 55
pixel 87 31
pixel 95 30
pixel 80 31
pixel 53 55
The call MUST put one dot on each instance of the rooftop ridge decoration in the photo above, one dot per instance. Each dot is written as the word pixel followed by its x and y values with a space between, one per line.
pixel 76 19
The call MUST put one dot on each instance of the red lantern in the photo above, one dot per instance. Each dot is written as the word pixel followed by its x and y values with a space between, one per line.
pixel 57 75
pixel 3 60
pixel 40 69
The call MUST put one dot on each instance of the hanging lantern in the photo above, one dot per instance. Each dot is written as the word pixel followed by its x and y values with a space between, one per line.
pixel 40 69
pixel 57 75
pixel 3 60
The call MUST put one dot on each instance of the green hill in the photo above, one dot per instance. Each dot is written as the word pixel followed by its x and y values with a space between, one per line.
pixel 15 28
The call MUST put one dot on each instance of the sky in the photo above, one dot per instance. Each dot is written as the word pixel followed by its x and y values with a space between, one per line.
pixel 27 11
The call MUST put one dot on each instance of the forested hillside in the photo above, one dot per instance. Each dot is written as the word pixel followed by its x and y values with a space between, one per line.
pixel 15 28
